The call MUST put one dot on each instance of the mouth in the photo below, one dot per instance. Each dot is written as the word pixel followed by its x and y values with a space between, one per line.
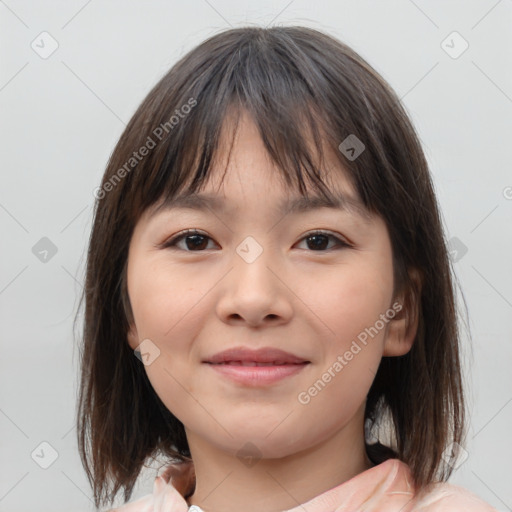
pixel 266 356
pixel 256 368
pixel 256 375
pixel 254 363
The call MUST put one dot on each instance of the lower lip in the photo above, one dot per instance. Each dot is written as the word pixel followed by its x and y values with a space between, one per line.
pixel 257 375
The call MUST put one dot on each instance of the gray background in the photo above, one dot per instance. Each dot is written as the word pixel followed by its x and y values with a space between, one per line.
pixel 62 115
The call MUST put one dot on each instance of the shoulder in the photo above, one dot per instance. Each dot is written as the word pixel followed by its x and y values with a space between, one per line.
pixel 176 481
pixel 144 504
pixel 445 497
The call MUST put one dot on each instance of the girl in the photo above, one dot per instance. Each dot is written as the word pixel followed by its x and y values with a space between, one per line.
pixel 271 371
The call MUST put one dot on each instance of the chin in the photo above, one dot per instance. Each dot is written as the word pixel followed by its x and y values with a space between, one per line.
pixel 252 442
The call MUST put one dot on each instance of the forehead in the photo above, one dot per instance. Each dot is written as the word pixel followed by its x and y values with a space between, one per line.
pixel 249 170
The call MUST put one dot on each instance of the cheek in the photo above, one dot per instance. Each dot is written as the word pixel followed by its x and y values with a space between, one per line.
pixel 165 305
pixel 162 301
pixel 350 306
pixel 353 304
pixel 349 300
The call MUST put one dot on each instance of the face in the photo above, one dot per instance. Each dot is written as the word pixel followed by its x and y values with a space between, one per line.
pixel 256 276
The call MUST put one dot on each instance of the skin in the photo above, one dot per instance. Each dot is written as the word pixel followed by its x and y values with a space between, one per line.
pixel 312 302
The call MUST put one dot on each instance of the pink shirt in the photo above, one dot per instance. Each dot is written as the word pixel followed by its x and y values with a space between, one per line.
pixel 386 487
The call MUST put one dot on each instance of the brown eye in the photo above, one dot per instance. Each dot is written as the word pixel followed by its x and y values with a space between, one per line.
pixel 319 240
pixel 195 241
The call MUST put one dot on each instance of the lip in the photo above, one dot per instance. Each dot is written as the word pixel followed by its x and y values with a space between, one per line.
pixel 262 355
pixel 257 375
pixel 240 365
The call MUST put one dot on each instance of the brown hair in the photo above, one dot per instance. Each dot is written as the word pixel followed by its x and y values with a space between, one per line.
pixel 293 81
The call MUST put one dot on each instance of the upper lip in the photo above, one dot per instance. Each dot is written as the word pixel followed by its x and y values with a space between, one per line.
pixel 262 355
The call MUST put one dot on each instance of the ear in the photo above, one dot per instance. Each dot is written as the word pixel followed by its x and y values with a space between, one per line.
pixel 133 336
pixel 403 327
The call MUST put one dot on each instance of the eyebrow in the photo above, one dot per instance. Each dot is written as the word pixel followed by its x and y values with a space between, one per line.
pixel 204 202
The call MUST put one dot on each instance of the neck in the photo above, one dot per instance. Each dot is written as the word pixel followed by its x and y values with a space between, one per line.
pixel 224 483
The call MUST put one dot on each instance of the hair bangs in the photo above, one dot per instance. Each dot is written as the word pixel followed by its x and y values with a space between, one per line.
pixel 266 82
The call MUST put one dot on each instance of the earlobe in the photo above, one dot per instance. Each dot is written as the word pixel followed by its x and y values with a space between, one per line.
pixel 399 337
pixel 402 329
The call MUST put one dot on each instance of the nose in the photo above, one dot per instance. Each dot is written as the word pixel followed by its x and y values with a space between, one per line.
pixel 255 292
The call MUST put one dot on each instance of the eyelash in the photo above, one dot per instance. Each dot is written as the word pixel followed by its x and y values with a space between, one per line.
pixel 171 243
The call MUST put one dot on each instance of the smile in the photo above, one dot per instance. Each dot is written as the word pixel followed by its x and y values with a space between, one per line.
pixel 254 374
